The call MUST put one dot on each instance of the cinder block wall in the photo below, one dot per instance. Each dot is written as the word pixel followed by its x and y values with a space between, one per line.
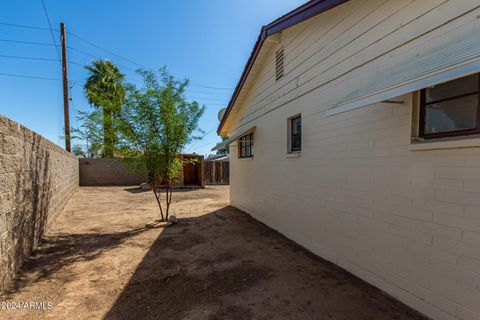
pixel 37 178
pixel 361 194
pixel 405 221
pixel 107 172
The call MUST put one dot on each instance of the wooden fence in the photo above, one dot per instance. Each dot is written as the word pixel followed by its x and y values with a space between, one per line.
pixel 217 172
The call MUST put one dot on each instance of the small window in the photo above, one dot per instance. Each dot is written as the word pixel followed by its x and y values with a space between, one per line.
pixel 279 64
pixel 451 109
pixel 245 146
pixel 295 134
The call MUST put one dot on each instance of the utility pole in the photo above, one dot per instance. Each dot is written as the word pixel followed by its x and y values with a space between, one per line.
pixel 66 110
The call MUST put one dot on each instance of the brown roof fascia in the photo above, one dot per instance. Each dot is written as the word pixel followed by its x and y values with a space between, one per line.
pixel 302 13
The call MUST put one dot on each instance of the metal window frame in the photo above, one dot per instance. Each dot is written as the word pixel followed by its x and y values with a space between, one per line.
pixel 456 133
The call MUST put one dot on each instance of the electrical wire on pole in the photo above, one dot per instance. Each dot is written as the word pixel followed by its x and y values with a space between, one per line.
pixel 215 90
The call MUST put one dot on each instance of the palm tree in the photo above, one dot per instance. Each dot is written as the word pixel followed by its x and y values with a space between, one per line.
pixel 105 89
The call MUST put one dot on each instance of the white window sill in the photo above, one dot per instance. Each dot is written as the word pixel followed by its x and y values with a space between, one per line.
pixel 450 143
pixel 246 159
pixel 293 155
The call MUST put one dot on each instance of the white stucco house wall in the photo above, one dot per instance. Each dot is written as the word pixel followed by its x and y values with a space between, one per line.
pixel 355 131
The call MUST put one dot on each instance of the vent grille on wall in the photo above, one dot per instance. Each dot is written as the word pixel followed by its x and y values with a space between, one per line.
pixel 279 64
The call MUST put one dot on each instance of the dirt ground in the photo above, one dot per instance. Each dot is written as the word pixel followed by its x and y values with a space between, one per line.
pixel 99 262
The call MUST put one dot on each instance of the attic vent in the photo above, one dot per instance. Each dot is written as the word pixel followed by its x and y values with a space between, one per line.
pixel 279 64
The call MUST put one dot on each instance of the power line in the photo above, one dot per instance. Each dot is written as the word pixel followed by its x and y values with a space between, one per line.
pixel 200 140
pixel 206 134
pixel 203 100
pixel 52 45
pixel 204 145
pixel 28 42
pixel 70 62
pixel 51 30
pixel 207 99
pixel 193 84
pixel 44 59
pixel 136 63
pixel 82 52
pixel 208 87
pixel 28 58
pixel 55 44
pixel 83 65
pixel 188 93
pixel 210 93
pixel 76 63
pixel 89 54
pixel 103 49
pixel 73 81
pixel 23 26
pixel 97 57
pixel 215 104
pixel 29 77
pixel 36 77
pixel 76 81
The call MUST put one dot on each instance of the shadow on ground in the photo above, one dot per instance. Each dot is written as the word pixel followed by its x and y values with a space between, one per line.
pixel 226 265
pixel 62 250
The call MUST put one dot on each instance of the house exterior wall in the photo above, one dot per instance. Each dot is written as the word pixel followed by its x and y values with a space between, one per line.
pixel 405 220
pixel 37 178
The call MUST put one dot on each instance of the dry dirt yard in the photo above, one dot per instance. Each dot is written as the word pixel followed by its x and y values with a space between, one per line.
pixel 99 262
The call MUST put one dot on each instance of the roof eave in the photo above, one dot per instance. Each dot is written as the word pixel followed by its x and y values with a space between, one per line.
pixel 300 14
pixel 243 78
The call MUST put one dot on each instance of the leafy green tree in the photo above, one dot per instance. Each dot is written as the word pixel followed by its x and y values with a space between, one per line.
pixel 90 132
pixel 79 151
pixel 105 90
pixel 223 151
pixel 157 122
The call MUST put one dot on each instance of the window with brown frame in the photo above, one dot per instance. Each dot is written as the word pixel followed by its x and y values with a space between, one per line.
pixel 245 146
pixel 451 109
pixel 295 130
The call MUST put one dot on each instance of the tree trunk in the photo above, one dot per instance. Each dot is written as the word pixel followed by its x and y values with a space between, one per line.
pixel 169 198
pixel 157 196
pixel 108 135
pixel 166 198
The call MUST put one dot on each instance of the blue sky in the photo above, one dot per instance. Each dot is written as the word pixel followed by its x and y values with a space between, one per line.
pixel 207 41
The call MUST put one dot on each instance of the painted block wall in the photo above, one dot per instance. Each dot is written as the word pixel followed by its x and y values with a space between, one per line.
pixel 405 221
pixel 37 178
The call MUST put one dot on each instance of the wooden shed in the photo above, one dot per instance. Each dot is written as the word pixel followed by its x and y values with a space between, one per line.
pixel 192 173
